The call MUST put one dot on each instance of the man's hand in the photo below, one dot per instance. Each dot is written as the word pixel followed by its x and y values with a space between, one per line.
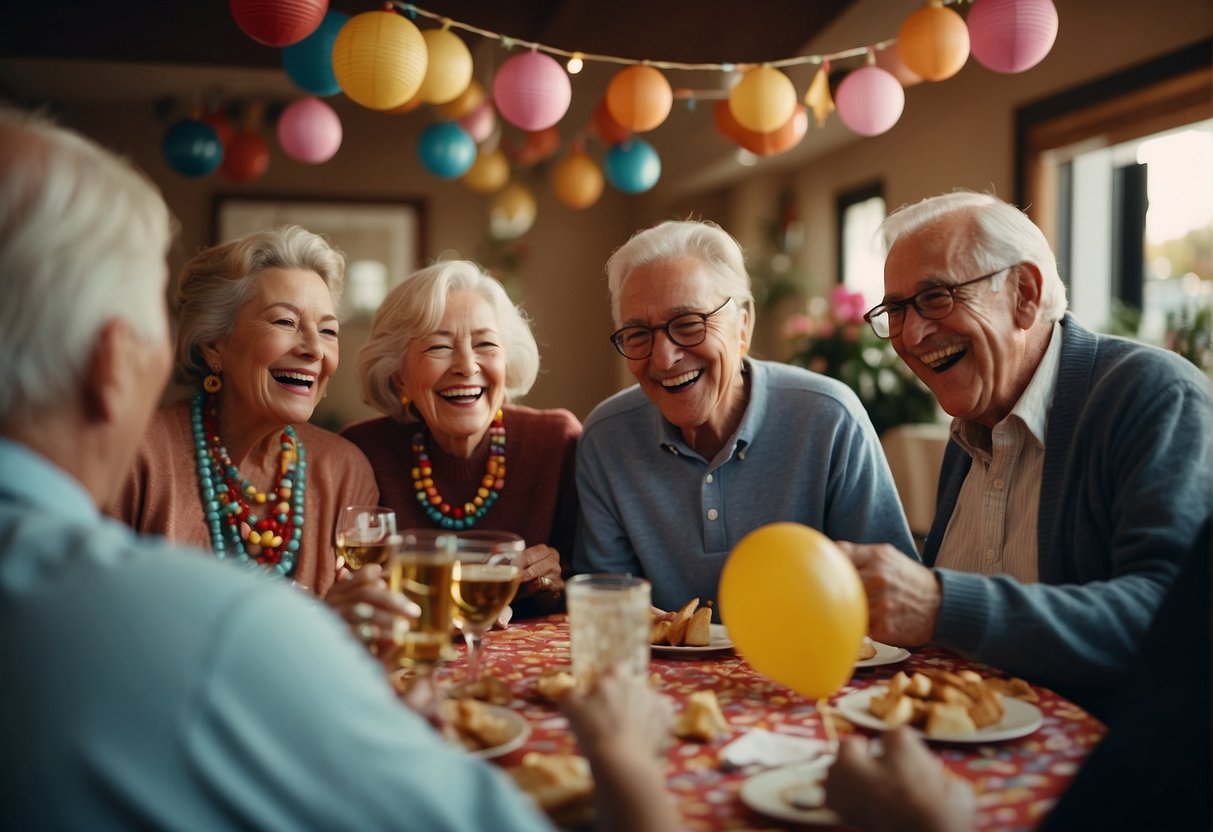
pixel 903 595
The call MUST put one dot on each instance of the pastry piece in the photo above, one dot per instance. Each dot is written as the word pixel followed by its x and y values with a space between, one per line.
pixel 659 631
pixel 699 629
pixel 678 626
pixel 555 683
pixel 701 719
pixel 560 784
pixel 949 720
pixel 470 722
pixel 867 650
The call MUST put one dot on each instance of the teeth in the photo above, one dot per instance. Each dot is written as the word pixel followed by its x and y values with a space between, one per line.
pixel 461 392
pixel 682 379
pixel 304 378
pixel 934 357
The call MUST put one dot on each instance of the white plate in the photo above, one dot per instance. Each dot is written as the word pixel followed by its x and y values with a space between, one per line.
pixel 764 793
pixel 520 732
pixel 1020 718
pixel 718 639
pixel 885 654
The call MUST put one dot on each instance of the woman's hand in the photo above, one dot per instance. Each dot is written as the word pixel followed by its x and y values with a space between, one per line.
pixel 372 611
pixel 540 571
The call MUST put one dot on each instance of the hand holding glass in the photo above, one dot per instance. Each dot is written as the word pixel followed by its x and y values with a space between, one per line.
pixel 362 534
pixel 488 569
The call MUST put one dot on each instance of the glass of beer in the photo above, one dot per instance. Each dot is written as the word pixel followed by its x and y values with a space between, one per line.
pixel 487 572
pixel 608 625
pixel 362 534
pixel 419 567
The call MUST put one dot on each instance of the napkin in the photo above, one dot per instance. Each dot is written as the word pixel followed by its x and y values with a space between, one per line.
pixel 759 746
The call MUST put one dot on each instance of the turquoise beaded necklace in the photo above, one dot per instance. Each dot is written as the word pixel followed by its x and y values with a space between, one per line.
pixel 272 539
pixel 463 516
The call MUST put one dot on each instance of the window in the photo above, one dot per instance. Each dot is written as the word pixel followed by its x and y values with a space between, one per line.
pixel 860 262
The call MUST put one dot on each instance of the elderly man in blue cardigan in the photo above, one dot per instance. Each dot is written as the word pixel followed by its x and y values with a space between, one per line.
pixel 1077 474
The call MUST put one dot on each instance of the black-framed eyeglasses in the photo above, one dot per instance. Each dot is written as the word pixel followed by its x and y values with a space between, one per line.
pixel 686 330
pixel 933 303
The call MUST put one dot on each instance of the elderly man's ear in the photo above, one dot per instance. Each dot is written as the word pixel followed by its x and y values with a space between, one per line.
pixel 1028 282
pixel 112 372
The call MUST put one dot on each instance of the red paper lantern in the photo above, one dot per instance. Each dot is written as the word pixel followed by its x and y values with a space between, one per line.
pixel 1011 35
pixel 610 131
pixel 540 145
pixel 246 158
pixel 278 22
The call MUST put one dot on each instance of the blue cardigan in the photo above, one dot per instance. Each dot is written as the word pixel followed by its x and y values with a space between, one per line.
pixel 1125 489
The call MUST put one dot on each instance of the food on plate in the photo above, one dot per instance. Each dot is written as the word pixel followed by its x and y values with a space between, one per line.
pixel 487 688
pixel 470 722
pixel 690 627
pixel 940 702
pixel 555 683
pixel 701 719
pixel 1014 686
pixel 560 784
pixel 866 649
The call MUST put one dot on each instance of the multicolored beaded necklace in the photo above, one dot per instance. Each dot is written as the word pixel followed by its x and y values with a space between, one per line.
pixel 461 517
pixel 270 539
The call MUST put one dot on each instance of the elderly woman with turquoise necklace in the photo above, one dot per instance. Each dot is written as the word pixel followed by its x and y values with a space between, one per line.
pixel 237 468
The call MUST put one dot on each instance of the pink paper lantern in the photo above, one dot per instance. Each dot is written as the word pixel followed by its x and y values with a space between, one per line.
pixel 309 131
pixel 869 101
pixel 480 122
pixel 532 91
pixel 1011 35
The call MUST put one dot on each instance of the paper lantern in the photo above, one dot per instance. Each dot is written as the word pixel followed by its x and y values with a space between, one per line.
pixel 633 166
pixel 192 148
pixel 246 158
pixel 407 107
pixel 870 100
pixel 379 59
pixel 762 144
pixel 639 98
pixel 512 213
pixel 449 70
pixel 890 61
pixel 577 180
pixel 309 131
pixel 480 122
pixel 278 22
pixel 763 100
pixel 608 130
pixel 309 63
pixel 465 103
pixel 540 145
pixel 446 150
pixel 1012 35
pixel 934 42
pixel 532 91
pixel 222 124
pixel 489 173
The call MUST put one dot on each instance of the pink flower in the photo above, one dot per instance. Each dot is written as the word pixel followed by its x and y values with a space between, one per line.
pixel 846 305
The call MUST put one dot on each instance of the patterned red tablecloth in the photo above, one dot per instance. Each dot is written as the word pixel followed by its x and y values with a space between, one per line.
pixel 1016 781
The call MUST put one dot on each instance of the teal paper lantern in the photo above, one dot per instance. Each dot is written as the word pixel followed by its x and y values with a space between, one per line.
pixel 192 148
pixel 632 166
pixel 309 63
pixel 446 150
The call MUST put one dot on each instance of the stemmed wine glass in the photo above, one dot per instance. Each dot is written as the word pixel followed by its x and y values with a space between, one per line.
pixel 488 569
pixel 362 534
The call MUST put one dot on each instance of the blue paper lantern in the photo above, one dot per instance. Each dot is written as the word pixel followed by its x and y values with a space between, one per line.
pixel 309 63
pixel 632 166
pixel 192 147
pixel 446 149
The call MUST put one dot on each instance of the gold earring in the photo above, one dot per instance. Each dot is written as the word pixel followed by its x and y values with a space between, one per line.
pixel 404 399
pixel 212 383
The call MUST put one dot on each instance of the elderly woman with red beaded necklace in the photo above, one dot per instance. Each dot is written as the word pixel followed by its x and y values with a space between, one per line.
pixel 238 469
pixel 447 350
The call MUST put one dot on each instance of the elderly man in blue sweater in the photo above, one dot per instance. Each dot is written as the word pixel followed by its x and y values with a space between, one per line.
pixel 1077 474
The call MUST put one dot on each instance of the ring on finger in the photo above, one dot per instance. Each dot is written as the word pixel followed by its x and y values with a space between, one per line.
pixel 367 631
pixel 363 611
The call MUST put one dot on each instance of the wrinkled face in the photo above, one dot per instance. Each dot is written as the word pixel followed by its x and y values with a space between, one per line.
pixel 455 375
pixel 973 359
pixel 282 350
pixel 692 386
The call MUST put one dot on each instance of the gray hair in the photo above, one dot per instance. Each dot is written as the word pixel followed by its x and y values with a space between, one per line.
pixel 83 241
pixel 698 240
pixel 998 235
pixel 217 281
pixel 415 308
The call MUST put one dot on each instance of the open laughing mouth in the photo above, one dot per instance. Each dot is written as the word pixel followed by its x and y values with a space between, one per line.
pixel 293 379
pixel 681 382
pixel 942 359
pixel 462 395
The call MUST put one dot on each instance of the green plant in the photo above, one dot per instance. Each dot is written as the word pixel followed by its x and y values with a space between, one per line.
pixel 1188 333
pixel 833 339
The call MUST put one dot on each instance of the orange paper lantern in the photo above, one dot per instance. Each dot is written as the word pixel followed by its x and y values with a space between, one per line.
pixel 578 181
pixel 463 104
pixel 489 173
pixel 934 42
pixel 639 98
pixel 762 144
pixel 449 69
pixel 379 59
pixel 763 100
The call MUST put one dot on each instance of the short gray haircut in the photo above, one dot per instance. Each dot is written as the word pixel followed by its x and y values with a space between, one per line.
pixel 415 308
pixel 998 235
pixel 83 241
pixel 698 240
pixel 218 280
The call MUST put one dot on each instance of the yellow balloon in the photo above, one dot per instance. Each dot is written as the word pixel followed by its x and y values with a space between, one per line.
pixel 795 607
pixel 763 100
pixel 449 70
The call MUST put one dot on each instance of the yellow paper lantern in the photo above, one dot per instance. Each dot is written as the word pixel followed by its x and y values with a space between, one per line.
pixel 763 100
pixel 489 173
pixel 449 70
pixel 512 213
pixel 463 104
pixel 379 59
pixel 934 42
pixel 577 180
pixel 639 98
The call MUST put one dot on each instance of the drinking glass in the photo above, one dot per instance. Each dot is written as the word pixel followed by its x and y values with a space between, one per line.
pixel 488 569
pixel 362 534
pixel 608 625
pixel 419 567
